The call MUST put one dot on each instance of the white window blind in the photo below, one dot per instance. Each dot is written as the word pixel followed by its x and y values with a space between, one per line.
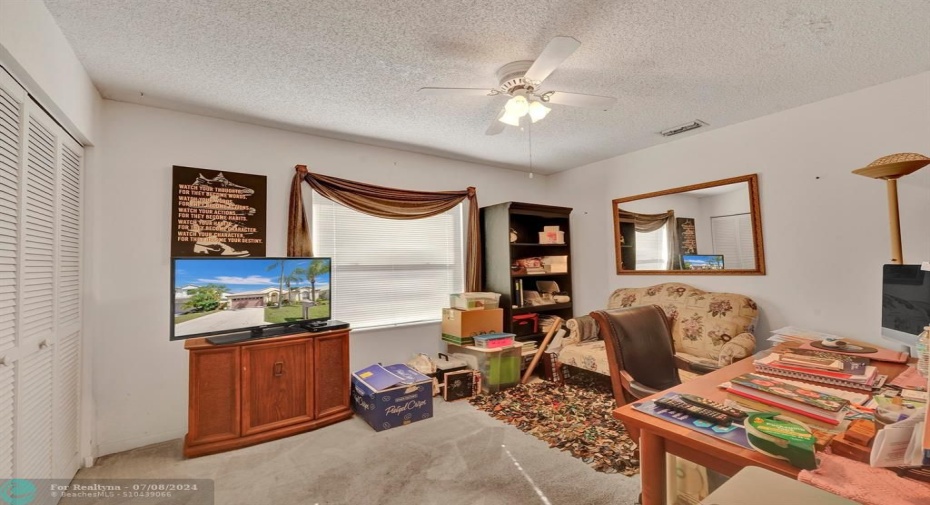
pixel 388 272
pixel 652 249
pixel 733 238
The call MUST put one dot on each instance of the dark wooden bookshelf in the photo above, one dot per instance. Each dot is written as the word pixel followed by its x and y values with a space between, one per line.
pixel 527 219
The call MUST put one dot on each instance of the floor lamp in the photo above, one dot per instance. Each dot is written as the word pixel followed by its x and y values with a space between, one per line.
pixel 891 168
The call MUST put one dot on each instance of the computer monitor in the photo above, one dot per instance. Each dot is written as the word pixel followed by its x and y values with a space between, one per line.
pixel 702 261
pixel 905 303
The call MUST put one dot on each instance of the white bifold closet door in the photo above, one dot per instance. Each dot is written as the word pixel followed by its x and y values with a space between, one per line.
pixel 40 291
pixel 733 238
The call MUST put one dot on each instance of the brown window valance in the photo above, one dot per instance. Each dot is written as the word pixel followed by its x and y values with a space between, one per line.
pixel 388 203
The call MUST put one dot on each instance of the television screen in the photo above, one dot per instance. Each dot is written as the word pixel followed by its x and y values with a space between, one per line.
pixel 213 296
pixel 905 302
pixel 702 261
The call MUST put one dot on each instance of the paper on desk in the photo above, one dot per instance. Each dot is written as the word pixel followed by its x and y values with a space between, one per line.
pixel 899 444
pixel 910 379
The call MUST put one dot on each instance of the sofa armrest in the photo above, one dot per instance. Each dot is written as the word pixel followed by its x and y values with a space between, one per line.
pixel 581 329
pixel 741 346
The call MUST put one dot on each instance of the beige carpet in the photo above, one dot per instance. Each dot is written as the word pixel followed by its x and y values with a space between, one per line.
pixel 459 457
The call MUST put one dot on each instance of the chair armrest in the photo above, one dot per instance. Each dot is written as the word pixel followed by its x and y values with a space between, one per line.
pixel 640 390
pixel 741 346
pixel 694 366
pixel 636 389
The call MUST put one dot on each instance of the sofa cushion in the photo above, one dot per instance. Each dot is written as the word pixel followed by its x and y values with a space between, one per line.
pixel 590 356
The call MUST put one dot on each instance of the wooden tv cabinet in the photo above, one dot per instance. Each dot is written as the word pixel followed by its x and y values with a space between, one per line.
pixel 251 392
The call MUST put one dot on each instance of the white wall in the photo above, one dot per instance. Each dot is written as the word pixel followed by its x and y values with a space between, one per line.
pixel 825 229
pixel 33 47
pixel 140 381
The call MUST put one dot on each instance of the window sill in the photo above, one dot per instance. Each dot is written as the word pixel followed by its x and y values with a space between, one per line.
pixel 395 326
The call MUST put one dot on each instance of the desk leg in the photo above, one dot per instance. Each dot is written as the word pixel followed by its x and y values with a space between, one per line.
pixel 652 467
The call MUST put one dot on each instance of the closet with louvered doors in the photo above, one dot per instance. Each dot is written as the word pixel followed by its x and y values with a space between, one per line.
pixel 40 291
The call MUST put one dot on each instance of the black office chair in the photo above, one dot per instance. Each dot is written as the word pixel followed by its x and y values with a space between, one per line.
pixel 640 351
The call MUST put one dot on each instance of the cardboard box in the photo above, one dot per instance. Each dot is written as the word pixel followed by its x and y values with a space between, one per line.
pixel 474 301
pixel 468 323
pixel 391 396
pixel 552 237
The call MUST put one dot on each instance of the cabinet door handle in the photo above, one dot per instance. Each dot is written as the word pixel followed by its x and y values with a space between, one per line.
pixel 279 368
pixel 43 344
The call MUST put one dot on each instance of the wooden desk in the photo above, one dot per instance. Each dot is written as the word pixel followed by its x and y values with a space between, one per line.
pixel 658 437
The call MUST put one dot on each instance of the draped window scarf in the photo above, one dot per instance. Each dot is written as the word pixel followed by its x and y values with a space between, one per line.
pixel 383 202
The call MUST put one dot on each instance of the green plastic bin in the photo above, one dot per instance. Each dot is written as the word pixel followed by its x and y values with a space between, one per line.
pixel 500 367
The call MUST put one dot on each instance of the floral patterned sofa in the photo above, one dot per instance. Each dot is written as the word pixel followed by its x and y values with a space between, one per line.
pixel 710 330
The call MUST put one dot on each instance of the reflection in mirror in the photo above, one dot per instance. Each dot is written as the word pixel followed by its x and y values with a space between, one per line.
pixel 710 228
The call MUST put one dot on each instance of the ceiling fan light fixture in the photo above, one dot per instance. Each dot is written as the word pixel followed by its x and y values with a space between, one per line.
pixel 510 119
pixel 538 111
pixel 517 106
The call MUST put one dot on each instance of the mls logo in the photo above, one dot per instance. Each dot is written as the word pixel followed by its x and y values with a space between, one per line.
pixel 17 492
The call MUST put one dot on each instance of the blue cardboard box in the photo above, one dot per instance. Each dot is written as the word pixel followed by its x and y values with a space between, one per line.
pixel 391 396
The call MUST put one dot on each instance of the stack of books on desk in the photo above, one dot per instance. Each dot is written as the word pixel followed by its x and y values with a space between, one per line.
pixel 821 366
pixel 762 393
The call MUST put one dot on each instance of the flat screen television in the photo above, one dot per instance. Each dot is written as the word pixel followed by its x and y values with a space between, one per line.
pixel 244 298
pixel 702 261
pixel 905 302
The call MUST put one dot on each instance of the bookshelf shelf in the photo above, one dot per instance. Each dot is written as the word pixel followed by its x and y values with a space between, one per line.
pixel 521 276
pixel 541 308
pixel 532 244
pixel 527 220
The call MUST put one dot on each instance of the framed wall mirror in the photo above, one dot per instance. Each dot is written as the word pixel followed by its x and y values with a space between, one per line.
pixel 714 228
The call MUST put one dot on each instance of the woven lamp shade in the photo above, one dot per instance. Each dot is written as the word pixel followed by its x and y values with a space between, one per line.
pixel 894 166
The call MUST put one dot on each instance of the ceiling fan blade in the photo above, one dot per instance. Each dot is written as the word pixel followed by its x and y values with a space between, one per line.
pixel 552 56
pixel 579 100
pixel 496 126
pixel 459 91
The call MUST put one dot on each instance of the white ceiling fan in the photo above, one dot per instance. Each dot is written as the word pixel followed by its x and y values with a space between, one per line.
pixel 522 81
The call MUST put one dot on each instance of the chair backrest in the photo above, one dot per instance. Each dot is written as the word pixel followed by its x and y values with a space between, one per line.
pixel 639 341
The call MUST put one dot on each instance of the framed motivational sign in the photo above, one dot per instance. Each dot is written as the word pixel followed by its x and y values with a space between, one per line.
pixel 217 213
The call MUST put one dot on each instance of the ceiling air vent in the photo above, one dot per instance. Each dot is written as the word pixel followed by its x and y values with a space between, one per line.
pixel 697 123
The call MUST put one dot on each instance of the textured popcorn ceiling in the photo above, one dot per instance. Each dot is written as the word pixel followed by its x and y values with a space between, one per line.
pixel 350 69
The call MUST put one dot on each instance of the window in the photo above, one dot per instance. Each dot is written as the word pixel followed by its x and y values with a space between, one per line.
pixel 733 238
pixel 388 272
pixel 652 249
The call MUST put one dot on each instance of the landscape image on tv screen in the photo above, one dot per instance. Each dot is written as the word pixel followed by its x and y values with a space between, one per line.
pixel 213 296
pixel 702 261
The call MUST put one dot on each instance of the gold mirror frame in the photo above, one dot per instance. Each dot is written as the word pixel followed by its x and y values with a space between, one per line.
pixel 755 213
